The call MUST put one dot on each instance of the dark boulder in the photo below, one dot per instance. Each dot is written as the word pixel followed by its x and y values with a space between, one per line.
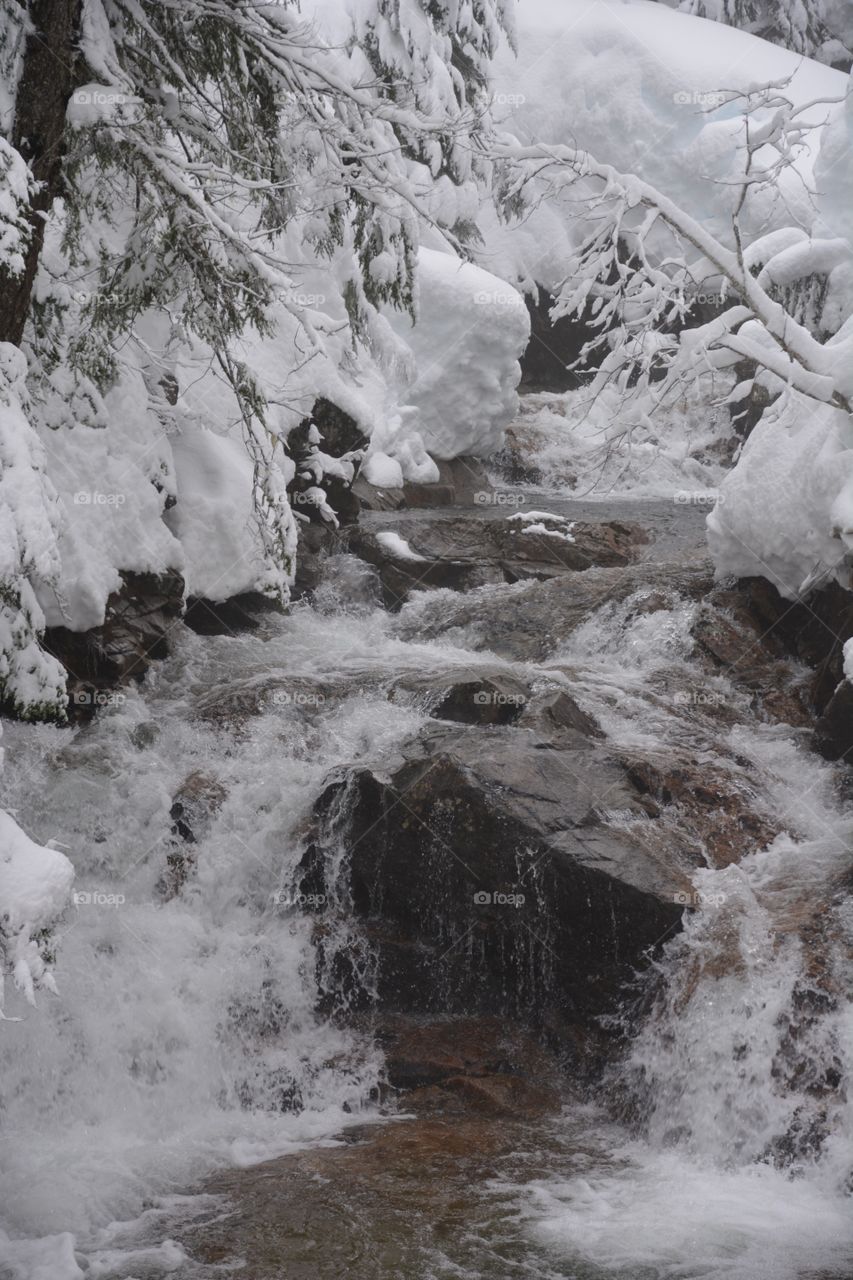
pixel 488 880
pixel 228 617
pixel 194 806
pixel 462 482
pixel 834 732
pixel 138 623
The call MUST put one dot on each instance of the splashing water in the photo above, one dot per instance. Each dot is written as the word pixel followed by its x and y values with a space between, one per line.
pixel 739 1079
pixel 187 1037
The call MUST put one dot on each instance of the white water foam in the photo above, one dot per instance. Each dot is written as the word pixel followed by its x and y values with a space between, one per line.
pixel 743 1070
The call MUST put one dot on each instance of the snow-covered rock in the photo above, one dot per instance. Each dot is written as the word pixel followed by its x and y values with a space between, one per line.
pixel 785 512
pixel 35 883
pixel 213 519
pixel 114 461
pixel 471 329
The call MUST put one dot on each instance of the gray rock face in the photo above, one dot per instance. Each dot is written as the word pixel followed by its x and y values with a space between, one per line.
pixel 488 878
pixel 462 552
pixel 540 615
pixel 135 632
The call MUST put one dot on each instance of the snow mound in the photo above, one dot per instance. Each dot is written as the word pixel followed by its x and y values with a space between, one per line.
pixel 397 546
pixel 785 512
pixel 471 330
pixel 35 883
pixel 213 517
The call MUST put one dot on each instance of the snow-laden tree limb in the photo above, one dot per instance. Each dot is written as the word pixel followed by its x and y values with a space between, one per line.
pixel 625 209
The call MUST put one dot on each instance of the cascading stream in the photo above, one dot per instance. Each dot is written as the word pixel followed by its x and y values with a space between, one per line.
pixel 201 1014
pixel 738 1081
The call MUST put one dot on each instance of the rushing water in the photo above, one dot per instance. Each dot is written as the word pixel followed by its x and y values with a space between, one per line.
pixel 186 1039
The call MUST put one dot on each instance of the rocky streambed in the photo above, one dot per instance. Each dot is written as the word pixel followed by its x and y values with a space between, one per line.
pixel 505 868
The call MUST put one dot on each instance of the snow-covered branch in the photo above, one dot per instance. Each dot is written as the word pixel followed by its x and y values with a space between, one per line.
pixel 638 291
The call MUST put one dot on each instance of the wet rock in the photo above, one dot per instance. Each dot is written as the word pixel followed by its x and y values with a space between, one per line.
pixel 144 735
pixel 478 1064
pixel 834 732
pixel 513 460
pixel 489 880
pixel 233 702
pixel 474 696
pixel 766 645
pixel 555 714
pixel 533 619
pixel 137 626
pixel 316 542
pixel 812 631
pixel 378 1205
pixel 194 806
pixel 462 482
pixel 484 701
pixel 227 617
pixel 704 806
pixel 504 1096
pixel 464 552
pixel 372 498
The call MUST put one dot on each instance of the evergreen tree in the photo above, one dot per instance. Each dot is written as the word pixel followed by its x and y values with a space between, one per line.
pixel 188 156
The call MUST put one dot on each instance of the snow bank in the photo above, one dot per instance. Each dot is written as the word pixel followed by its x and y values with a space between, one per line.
pixel 471 329
pixel 213 518
pixel 785 512
pixel 30 680
pixel 441 387
pixel 35 883
pixel 111 520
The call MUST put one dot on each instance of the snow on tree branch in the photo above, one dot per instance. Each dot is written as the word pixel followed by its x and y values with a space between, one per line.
pixel 643 256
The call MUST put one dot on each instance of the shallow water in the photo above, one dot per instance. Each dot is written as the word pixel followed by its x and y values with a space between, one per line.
pixel 185 1040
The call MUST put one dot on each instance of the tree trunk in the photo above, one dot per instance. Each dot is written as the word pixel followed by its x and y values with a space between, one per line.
pixel 46 84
